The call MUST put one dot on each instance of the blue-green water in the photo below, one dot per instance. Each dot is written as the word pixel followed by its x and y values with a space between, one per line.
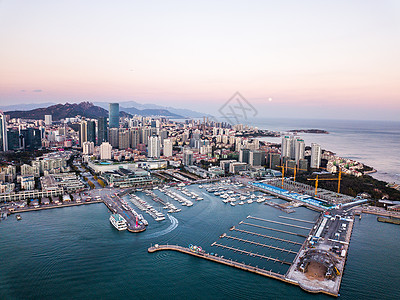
pixel 75 253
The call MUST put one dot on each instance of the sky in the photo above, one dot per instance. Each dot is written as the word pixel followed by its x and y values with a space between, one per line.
pixel 309 59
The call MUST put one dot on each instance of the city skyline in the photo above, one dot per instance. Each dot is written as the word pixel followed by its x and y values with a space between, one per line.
pixel 325 60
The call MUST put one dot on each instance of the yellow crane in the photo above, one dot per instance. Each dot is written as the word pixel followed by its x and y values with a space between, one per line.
pixel 286 167
pixel 319 179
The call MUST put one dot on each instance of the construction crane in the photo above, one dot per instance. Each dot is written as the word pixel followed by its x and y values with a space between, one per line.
pixel 286 167
pixel 319 179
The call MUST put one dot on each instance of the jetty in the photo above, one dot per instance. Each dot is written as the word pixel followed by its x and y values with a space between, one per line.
pixel 235 264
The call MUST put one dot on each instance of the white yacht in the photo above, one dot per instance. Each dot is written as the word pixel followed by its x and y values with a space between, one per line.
pixel 118 222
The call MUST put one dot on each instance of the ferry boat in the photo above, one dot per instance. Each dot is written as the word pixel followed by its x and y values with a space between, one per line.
pixel 118 222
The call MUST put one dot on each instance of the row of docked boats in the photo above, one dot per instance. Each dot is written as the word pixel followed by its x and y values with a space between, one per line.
pixel 140 217
pixel 144 206
pixel 190 194
pixel 174 195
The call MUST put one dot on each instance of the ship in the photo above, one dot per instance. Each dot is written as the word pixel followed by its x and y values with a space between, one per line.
pixel 118 222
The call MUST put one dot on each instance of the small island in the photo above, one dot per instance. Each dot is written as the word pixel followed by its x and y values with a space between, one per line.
pixel 318 131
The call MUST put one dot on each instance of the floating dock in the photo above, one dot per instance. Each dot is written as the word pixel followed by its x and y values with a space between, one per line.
pixel 276 222
pixel 265 236
pixel 273 229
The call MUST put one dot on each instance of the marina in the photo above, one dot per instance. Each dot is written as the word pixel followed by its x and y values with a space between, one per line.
pixel 147 208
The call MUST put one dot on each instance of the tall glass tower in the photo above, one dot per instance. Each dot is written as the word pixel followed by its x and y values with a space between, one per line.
pixel 113 115
pixel 102 131
pixel 3 133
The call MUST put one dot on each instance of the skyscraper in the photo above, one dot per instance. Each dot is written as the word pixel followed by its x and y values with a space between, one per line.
pixel 299 149
pixel 154 147
pixel 187 157
pixel 113 137
pixel 315 156
pixel 286 146
pixel 83 132
pixel 91 131
pixel 3 133
pixel 167 150
pixel 102 130
pixel 30 138
pixel 123 142
pixel 113 115
pixel 135 137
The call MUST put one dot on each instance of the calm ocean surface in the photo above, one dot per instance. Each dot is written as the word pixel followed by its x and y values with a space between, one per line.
pixel 374 143
pixel 75 253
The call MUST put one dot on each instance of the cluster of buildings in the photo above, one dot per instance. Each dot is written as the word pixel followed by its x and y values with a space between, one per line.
pixel 125 150
pixel 346 166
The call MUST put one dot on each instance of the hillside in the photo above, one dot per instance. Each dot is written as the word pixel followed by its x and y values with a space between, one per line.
pixel 61 111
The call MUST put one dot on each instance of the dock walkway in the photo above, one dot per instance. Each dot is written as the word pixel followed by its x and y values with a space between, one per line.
pixel 220 260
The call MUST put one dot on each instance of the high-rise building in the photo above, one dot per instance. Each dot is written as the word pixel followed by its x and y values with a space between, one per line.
pixel 88 148
pixel 83 132
pixel 123 140
pixel 30 139
pixel 3 133
pixel 244 155
pixel 105 150
pixel 154 147
pixel 113 115
pixel 274 160
pixel 167 150
pixel 256 158
pixel 13 139
pixel 91 131
pixel 187 157
pixel 286 146
pixel 135 137
pixel 102 130
pixel 315 156
pixel 48 120
pixel 146 132
pixel 300 147
pixel 113 137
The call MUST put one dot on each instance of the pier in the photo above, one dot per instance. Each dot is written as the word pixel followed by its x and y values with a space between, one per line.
pixel 234 264
pixel 258 244
pixel 265 236
pixel 288 218
pixel 276 222
pixel 52 205
pixel 115 205
pixel 251 253
pixel 273 229
pixel 221 260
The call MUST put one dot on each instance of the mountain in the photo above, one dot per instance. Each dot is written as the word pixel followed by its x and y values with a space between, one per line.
pixel 28 106
pixel 150 112
pixel 61 111
pixel 126 108
pixel 187 113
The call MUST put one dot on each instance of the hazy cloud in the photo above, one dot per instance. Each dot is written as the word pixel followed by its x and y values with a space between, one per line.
pixel 23 91
pixel 37 91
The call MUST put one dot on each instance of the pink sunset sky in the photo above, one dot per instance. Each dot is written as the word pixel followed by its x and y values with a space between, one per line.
pixel 288 58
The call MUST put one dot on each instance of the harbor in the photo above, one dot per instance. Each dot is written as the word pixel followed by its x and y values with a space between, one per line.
pixel 134 222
